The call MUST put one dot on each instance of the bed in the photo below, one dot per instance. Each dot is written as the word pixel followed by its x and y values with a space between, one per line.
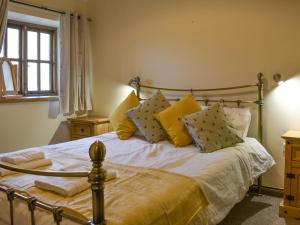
pixel 181 185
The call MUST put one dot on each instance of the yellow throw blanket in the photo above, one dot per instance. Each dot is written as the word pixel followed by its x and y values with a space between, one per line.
pixel 139 196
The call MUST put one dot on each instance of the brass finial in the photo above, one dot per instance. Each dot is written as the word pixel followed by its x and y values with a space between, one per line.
pixel 97 151
pixel 260 76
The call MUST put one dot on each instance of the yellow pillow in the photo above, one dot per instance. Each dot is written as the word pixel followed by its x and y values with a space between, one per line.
pixel 120 122
pixel 170 119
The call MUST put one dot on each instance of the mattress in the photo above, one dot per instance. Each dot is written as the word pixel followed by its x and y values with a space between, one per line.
pixel 224 175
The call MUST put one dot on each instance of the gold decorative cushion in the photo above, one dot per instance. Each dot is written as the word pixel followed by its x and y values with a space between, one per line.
pixel 120 122
pixel 143 117
pixel 211 129
pixel 170 119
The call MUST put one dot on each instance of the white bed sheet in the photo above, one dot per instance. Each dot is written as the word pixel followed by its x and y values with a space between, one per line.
pixel 224 175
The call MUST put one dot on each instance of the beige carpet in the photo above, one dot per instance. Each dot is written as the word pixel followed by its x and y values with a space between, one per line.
pixel 257 210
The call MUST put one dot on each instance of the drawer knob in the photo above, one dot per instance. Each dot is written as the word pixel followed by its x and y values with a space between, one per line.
pixel 82 130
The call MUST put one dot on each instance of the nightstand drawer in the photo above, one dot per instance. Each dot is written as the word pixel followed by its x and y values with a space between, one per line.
pixel 296 152
pixel 83 127
pixel 81 130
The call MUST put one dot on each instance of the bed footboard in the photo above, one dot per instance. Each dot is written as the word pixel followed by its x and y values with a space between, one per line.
pixel 96 178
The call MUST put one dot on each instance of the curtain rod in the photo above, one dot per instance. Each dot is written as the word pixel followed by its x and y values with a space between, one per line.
pixel 42 7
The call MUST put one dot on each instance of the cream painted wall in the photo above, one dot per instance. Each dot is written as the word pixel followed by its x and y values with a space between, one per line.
pixel 25 125
pixel 200 43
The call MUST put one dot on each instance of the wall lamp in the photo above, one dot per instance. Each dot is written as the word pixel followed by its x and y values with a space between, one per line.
pixel 134 82
pixel 278 79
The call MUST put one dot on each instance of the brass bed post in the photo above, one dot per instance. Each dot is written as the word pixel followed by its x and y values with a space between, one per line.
pixel 96 178
pixel 31 201
pixel 260 104
pixel 10 197
pixel 138 88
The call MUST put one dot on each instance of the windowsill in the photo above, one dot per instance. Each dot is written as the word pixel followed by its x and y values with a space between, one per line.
pixel 12 99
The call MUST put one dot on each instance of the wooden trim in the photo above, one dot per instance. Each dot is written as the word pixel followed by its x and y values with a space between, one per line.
pixel 16 99
pixel 286 211
pixel 265 190
pixel 276 192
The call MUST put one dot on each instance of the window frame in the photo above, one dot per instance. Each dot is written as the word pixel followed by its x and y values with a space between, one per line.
pixel 19 60
pixel 23 58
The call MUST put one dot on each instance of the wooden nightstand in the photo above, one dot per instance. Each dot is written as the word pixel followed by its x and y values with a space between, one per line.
pixel 82 127
pixel 290 206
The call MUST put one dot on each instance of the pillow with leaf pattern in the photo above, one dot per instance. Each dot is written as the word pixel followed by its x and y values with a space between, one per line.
pixel 143 117
pixel 211 130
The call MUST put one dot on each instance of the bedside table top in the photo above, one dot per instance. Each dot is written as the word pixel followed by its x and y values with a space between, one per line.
pixel 291 134
pixel 89 120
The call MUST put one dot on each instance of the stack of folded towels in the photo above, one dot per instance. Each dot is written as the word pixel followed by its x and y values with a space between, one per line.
pixel 24 160
pixel 68 187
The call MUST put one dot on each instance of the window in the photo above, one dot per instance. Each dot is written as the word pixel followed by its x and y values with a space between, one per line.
pixel 32 49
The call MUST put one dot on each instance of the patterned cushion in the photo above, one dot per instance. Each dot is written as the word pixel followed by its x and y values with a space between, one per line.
pixel 211 130
pixel 239 117
pixel 143 117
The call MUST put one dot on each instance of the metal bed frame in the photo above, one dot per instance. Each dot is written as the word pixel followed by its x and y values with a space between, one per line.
pixel 97 152
pixel 136 83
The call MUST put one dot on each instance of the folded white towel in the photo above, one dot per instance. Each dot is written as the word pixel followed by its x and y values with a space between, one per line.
pixel 68 187
pixel 23 157
pixel 111 174
pixel 30 165
pixel 76 167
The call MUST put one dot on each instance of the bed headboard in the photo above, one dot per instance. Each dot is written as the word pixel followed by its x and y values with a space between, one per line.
pixel 223 97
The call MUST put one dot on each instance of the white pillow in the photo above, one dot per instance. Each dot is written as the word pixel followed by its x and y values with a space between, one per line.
pixel 240 118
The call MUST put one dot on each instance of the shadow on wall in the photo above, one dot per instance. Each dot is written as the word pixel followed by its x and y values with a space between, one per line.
pixel 62 134
pixel 54 110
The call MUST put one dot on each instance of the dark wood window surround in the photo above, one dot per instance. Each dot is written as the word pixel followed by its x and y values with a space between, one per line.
pixel 25 93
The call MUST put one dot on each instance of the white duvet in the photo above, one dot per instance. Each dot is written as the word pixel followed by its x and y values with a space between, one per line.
pixel 224 175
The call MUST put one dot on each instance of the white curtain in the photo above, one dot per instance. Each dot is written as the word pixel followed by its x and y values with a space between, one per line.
pixel 3 19
pixel 75 71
